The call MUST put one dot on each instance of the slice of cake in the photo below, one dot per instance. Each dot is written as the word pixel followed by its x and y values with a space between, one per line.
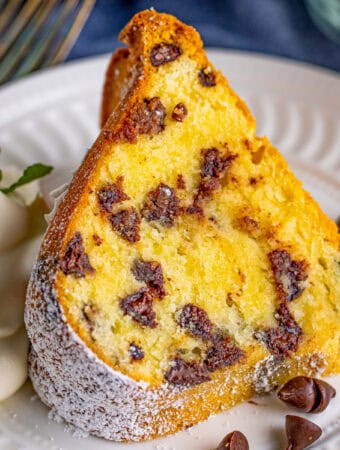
pixel 185 269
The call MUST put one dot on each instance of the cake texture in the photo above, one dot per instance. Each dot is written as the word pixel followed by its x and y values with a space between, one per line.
pixel 185 268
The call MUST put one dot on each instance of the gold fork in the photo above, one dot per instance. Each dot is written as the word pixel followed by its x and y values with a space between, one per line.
pixel 38 33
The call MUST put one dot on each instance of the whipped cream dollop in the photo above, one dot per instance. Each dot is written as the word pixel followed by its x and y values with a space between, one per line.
pixel 22 225
pixel 20 235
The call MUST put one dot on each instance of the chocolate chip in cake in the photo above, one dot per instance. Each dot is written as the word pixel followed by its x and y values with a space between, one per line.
pixel 206 188
pixel 234 441
pixel 75 261
pixel 249 225
pixel 301 433
pixel 214 167
pixel 196 321
pixel 162 205
pixel 187 373
pixel 139 307
pixel 136 352
pixel 222 354
pixel 287 322
pixel 180 112
pixel 150 272
pixel 150 116
pixel 290 276
pixel 207 77
pixel 97 239
pixel 147 117
pixel 164 53
pixel 111 194
pixel 180 182
pixel 279 342
pixel 285 338
pixel 195 210
pixel 215 164
pixel 126 223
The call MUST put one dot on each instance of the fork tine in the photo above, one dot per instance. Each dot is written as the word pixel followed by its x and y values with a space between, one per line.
pixel 7 13
pixel 36 57
pixel 19 24
pixel 38 32
pixel 73 33
pixel 17 53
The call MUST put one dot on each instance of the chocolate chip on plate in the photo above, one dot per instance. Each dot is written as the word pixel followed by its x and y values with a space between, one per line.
pixel 299 392
pixel 301 433
pixel 234 441
pixel 307 394
pixel 325 393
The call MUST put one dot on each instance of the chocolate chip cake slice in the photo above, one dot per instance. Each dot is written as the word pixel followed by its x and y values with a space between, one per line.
pixel 185 268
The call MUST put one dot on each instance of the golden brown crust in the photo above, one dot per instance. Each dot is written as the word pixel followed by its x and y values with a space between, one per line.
pixel 115 78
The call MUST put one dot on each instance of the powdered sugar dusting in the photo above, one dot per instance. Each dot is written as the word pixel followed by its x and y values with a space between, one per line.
pixel 79 387
pixel 267 370
pixel 93 398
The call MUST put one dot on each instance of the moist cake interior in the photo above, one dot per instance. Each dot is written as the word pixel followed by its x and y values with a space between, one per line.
pixel 192 245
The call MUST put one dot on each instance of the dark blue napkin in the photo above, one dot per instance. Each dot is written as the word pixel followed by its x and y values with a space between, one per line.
pixel 276 27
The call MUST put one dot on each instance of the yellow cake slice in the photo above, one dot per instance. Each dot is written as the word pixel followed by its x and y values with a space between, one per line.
pixel 185 268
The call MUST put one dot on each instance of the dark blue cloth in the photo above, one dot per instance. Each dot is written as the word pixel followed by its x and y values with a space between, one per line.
pixel 276 27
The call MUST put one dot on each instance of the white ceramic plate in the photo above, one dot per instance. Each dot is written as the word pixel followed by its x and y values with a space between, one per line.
pixel 52 117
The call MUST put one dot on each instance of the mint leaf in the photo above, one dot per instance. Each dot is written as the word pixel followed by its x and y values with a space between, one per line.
pixel 31 173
